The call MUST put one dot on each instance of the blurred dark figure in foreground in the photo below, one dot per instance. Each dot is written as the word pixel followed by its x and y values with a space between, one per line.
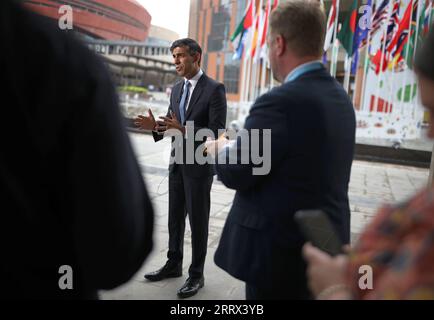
pixel 74 204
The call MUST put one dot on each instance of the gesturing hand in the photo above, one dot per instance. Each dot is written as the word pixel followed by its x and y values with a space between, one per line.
pixel 172 122
pixel 146 123
pixel 213 147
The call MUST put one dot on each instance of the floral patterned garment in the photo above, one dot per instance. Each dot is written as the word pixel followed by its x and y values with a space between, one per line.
pixel 399 247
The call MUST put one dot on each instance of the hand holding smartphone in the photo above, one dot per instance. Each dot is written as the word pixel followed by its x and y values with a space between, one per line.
pixel 318 230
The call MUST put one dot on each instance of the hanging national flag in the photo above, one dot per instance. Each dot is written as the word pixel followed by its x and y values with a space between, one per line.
pixel 416 33
pixel 407 28
pixel 392 28
pixel 324 58
pixel 379 16
pixel 275 4
pixel 271 5
pixel 262 10
pixel 330 26
pixel 245 23
pixel 393 22
pixel 265 27
pixel 360 37
pixel 398 47
pixel 427 17
pixel 238 36
pixel 346 34
pixel 263 44
pixel 240 50
pixel 255 35
pixel 395 47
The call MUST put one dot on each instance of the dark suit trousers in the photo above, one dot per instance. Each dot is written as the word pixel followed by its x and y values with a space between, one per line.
pixel 188 195
pixel 288 280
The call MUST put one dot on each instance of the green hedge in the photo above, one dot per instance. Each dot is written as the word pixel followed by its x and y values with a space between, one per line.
pixel 133 89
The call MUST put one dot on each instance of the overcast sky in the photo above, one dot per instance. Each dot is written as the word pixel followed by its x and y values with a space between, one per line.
pixel 170 14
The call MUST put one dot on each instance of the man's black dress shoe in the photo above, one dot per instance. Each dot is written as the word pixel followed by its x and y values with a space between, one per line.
pixel 165 272
pixel 191 287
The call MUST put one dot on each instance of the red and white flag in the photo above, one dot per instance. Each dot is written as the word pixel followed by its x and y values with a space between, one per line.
pixel 330 26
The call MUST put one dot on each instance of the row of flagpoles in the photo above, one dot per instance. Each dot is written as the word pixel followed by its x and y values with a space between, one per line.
pixel 249 42
pixel 388 32
pixel 389 42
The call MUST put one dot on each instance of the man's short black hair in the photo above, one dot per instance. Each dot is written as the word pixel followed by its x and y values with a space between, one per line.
pixel 424 58
pixel 192 45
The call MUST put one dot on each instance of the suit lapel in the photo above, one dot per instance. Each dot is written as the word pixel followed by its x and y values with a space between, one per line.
pixel 196 94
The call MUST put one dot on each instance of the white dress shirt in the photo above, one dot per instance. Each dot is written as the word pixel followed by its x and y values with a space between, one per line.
pixel 193 82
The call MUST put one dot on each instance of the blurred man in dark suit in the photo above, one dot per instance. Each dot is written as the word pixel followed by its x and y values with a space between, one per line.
pixel 312 126
pixel 76 216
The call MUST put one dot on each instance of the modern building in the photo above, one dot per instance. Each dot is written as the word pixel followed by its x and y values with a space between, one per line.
pixel 212 22
pixel 101 19
pixel 146 64
pixel 159 41
pixel 120 31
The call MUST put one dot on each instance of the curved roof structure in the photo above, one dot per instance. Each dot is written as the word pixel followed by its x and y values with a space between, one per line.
pixel 101 19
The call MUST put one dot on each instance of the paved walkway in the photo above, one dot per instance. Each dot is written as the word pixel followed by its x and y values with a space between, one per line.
pixel 372 184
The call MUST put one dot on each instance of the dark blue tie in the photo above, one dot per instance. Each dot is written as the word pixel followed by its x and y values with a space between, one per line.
pixel 184 100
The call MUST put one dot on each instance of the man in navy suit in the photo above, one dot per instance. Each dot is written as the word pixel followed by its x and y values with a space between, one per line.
pixel 202 101
pixel 312 126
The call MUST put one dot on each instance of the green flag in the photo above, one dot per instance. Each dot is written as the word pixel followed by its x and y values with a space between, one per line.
pixel 346 34
pixel 416 33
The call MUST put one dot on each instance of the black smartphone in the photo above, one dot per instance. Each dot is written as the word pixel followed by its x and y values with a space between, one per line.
pixel 318 230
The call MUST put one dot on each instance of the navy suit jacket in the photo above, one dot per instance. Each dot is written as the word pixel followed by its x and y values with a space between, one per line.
pixel 312 124
pixel 207 108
